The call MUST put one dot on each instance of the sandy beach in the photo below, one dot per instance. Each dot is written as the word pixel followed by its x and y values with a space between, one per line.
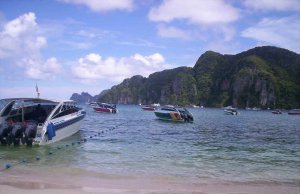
pixel 26 180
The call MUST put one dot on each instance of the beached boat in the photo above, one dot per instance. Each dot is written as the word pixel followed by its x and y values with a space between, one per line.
pixel 105 108
pixel 174 114
pixel 231 111
pixel 148 107
pixel 38 121
pixel 294 112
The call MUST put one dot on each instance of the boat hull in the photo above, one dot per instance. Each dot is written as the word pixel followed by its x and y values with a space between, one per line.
pixel 62 130
pixel 294 113
pixel 148 108
pixel 169 116
pixel 228 112
pixel 104 110
pixel 276 113
pixel 63 133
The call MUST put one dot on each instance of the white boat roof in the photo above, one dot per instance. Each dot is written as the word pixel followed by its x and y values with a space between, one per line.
pixel 37 99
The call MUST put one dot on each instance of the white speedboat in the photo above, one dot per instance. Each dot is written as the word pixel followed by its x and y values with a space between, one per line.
pixel 38 121
pixel 93 104
pixel 231 111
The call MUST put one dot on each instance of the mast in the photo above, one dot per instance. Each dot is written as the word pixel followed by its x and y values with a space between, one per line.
pixel 37 91
pixel 22 111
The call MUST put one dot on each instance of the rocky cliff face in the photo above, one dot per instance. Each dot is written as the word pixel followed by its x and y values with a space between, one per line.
pixel 260 77
pixel 82 98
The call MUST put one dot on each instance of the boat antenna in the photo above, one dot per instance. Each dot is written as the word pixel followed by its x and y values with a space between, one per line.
pixel 37 90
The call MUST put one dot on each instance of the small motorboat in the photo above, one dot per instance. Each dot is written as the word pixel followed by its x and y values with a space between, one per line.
pixel 294 112
pixel 149 107
pixel 231 111
pixel 277 112
pixel 105 108
pixel 155 104
pixel 174 114
pixel 93 104
pixel 36 121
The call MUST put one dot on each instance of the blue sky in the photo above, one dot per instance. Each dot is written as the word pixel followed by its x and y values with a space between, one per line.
pixel 68 46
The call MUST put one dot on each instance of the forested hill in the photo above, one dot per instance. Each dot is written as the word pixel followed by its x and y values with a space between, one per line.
pixel 260 77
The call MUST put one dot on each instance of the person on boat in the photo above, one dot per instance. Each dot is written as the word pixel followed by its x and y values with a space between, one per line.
pixel 40 114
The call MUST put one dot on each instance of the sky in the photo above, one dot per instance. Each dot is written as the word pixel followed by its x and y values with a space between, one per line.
pixel 68 46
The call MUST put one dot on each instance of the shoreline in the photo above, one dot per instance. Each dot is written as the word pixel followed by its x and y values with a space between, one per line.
pixel 26 180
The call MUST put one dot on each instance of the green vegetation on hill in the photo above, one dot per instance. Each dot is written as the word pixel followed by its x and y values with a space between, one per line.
pixel 260 77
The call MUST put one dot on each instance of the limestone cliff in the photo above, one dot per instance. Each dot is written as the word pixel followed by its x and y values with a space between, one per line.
pixel 260 77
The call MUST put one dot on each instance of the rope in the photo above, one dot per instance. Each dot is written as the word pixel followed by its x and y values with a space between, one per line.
pixel 9 165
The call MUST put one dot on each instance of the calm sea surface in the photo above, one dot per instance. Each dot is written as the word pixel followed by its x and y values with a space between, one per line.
pixel 255 146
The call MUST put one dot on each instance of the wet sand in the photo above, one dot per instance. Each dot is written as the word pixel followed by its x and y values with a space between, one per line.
pixel 26 180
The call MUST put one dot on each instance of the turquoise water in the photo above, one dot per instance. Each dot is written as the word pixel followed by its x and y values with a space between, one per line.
pixel 255 146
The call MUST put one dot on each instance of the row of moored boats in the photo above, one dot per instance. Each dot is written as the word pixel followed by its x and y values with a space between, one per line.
pixel 169 113
pixel 233 111
pixel 36 121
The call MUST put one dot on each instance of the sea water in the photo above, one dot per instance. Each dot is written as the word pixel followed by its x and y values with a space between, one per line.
pixel 252 147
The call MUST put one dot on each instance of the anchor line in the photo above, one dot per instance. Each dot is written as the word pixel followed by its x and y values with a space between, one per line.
pixel 50 153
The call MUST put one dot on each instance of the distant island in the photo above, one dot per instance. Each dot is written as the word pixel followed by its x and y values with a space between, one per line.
pixel 265 77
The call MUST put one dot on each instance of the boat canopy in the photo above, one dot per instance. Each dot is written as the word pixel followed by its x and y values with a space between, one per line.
pixel 20 109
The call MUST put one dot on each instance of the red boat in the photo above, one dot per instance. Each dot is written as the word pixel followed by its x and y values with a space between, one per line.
pixel 147 107
pixel 294 112
pixel 105 108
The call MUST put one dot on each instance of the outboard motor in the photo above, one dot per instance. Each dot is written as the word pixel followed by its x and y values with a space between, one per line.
pixel 184 116
pixel 17 133
pixel 187 116
pixel 30 133
pixel 190 117
pixel 5 133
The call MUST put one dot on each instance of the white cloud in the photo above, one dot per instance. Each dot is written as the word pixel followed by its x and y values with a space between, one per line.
pixel 283 32
pixel 77 45
pixel 43 71
pixel 173 32
pixel 94 67
pixel 19 36
pixel 195 11
pixel 223 47
pixel 103 6
pixel 198 19
pixel 21 43
pixel 140 43
pixel 91 33
pixel 87 34
pixel 279 5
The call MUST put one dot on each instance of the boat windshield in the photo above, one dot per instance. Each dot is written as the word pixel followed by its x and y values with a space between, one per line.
pixel 18 110
pixel 168 109
pixel 183 110
pixel 4 102
pixel 105 105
